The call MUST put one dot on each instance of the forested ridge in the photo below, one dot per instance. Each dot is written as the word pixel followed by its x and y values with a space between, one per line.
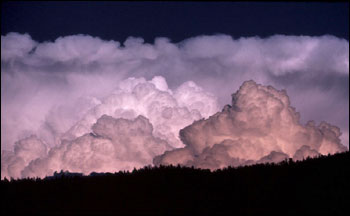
pixel 313 186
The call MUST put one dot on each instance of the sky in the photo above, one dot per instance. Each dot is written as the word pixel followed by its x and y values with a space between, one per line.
pixel 108 86
pixel 174 20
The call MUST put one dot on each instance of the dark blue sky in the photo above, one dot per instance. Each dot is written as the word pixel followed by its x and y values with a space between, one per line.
pixel 175 20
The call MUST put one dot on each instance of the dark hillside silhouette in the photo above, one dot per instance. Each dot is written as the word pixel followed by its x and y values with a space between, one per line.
pixel 313 186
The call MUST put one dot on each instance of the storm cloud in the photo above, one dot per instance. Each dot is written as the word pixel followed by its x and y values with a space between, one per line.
pixel 58 90
pixel 127 129
pixel 261 126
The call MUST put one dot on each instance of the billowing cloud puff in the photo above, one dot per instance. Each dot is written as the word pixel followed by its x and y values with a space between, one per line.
pixel 16 46
pixel 113 145
pixel 26 150
pixel 259 127
pixel 167 111
pixel 304 152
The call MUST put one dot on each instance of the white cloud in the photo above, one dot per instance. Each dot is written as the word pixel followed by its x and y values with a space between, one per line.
pixel 49 88
pixel 113 145
pixel 261 126
pixel 120 141
pixel 167 111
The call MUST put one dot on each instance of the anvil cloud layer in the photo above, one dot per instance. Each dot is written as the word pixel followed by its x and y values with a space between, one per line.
pixel 59 91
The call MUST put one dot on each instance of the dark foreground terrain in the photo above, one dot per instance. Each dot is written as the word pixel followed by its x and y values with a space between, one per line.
pixel 313 186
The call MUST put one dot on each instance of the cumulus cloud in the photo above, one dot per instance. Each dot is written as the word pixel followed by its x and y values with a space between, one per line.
pixel 137 121
pixel 26 150
pixel 47 87
pixel 167 110
pixel 113 145
pixel 58 89
pixel 261 126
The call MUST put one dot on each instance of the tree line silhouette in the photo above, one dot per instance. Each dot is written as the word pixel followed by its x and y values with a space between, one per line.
pixel 312 186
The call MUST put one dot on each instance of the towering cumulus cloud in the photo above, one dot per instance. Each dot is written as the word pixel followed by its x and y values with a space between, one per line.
pixel 58 97
pixel 168 111
pixel 114 144
pixel 259 127
pixel 125 130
